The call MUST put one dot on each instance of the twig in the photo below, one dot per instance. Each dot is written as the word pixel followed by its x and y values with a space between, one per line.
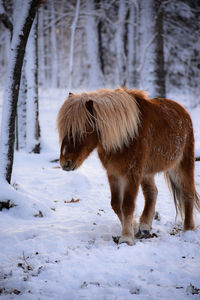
pixel 29 267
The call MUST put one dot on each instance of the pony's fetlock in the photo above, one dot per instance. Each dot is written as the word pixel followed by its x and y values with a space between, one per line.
pixel 135 226
pixel 144 227
pixel 128 239
pixel 189 226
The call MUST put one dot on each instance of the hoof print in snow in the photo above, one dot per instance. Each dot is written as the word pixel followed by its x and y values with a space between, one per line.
pixel 134 291
pixel 157 216
pixel 85 284
pixel 177 229
pixel 9 292
pixel 100 211
pixel 39 215
pixel 116 239
pixel 191 289
pixel 6 205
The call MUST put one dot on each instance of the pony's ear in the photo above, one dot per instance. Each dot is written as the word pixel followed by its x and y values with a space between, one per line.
pixel 89 106
pixel 70 94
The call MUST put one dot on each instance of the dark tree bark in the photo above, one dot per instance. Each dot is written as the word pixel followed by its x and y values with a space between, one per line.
pixel 159 59
pixel 37 125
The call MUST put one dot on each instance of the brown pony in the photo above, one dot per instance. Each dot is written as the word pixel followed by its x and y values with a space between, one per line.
pixel 135 138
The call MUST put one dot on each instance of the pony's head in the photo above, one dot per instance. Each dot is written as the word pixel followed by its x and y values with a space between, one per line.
pixel 109 118
pixel 78 140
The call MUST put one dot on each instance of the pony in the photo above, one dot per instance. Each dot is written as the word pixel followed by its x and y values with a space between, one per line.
pixel 136 138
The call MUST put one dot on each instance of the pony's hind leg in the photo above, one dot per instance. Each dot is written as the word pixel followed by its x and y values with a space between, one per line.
pixel 150 193
pixel 181 181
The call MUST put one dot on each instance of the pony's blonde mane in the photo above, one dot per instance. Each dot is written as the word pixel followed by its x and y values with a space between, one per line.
pixel 115 116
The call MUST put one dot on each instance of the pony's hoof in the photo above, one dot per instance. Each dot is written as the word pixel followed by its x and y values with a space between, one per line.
pixel 145 234
pixel 142 234
pixel 126 239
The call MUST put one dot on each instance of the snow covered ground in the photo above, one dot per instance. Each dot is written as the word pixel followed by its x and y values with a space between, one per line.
pixel 57 242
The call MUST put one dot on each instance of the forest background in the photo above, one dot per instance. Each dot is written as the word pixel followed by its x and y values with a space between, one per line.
pixel 83 45
pixel 88 44
pixel 56 238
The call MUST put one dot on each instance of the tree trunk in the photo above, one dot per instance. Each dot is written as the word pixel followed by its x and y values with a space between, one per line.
pixel 42 77
pixel 159 50
pixel 71 54
pixel 119 42
pixel 21 111
pixel 19 40
pixel 95 75
pixel 133 46
pixel 54 53
pixel 32 106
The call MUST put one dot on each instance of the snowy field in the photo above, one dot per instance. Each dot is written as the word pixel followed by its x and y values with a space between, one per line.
pixel 57 242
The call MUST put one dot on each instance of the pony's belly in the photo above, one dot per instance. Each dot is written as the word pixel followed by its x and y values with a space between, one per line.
pixel 160 162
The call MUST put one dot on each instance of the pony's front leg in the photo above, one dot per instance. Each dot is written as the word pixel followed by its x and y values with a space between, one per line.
pixel 128 207
pixel 116 188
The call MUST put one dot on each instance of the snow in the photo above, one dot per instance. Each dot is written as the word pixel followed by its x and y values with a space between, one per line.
pixel 2 11
pixel 52 248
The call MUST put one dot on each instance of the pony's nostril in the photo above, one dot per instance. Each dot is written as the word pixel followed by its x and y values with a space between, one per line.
pixel 68 163
pixel 66 167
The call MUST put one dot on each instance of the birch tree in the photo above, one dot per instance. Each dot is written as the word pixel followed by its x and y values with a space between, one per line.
pixel 32 103
pixel 54 51
pixel 94 72
pixel 146 55
pixel 21 112
pixel 21 30
pixel 119 41
pixel 133 45
pixel 71 54
pixel 159 50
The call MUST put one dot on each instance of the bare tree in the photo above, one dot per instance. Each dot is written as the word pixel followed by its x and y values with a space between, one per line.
pixel 71 55
pixel 119 42
pixel 94 72
pixel 159 50
pixel 32 103
pixel 132 78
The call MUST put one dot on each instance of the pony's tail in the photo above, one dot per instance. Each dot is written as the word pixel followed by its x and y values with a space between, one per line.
pixel 173 187
pixel 177 196
pixel 197 201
